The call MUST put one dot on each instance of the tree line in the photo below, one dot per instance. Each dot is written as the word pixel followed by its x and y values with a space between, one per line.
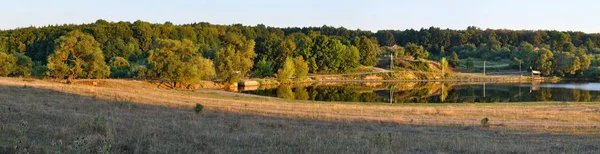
pixel 188 53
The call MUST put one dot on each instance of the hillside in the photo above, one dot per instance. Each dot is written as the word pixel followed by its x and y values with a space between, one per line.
pixel 120 116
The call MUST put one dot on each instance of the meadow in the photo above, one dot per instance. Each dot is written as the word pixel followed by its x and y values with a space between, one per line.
pixel 126 116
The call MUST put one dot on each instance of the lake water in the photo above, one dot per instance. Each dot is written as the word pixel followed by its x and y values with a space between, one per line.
pixel 435 92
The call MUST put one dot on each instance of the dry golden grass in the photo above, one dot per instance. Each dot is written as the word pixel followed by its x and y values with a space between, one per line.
pixel 583 117
pixel 136 117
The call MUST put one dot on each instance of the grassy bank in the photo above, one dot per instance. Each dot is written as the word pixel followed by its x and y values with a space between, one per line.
pixel 136 117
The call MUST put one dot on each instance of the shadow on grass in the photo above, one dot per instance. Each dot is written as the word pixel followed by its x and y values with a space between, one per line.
pixel 46 121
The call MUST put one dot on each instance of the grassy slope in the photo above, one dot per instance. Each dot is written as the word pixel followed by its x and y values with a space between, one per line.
pixel 130 116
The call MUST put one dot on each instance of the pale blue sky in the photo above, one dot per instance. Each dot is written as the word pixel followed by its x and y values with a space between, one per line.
pixel 575 15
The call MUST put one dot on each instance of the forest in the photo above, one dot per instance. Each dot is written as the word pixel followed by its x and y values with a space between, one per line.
pixel 189 53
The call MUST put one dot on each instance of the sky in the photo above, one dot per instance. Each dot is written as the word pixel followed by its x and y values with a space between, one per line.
pixel 563 15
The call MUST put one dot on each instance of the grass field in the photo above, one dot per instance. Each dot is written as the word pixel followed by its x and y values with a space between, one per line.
pixel 121 116
pixel 496 66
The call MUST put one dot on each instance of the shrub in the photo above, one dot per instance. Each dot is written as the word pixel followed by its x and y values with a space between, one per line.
pixel 284 74
pixel 263 68
pixel 420 66
pixel 38 70
pixel 198 108
pixel 485 122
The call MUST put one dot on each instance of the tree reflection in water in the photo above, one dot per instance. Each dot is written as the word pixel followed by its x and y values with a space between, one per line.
pixel 427 92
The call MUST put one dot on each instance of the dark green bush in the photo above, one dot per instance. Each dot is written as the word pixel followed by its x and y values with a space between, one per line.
pixel 198 108
pixel 485 122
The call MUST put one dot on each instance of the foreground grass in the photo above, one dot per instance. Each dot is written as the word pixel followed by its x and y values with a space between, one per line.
pixel 44 117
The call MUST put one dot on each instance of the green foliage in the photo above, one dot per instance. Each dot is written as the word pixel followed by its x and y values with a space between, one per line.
pixel 323 48
pixel 444 64
pixel 469 65
pixel 368 50
pixel 543 61
pixel 119 68
pixel 7 63
pixel 77 55
pixel 386 38
pixel 351 59
pixel 234 59
pixel 416 51
pixel 287 71
pixel 198 108
pixel 333 56
pixel 566 63
pixel 263 69
pixel 39 70
pixel 284 50
pixel 589 44
pixel 485 122
pixel 301 68
pixel 454 60
pixel 420 66
pixel 178 62
pixel 23 65
pixel 595 51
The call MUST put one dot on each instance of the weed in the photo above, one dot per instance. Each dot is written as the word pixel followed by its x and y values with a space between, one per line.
pixel 198 108
pixel 485 122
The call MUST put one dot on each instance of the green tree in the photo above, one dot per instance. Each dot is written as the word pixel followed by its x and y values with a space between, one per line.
pixel 454 59
pixel 416 51
pixel 566 63
pixel 543 61
pixel 351 58
pixel 7 63
pixel 287 71
pixel 589 44
pixel 386 38
pixel 179 63
pixel 444 64
pixel 368 51
pixel 77 55
pixel 234 59
pixel 119 68
pixel 23 65
pixel 469 64
pixel 284 50
pixel 301 68
pixel 568 47
pixel 263 68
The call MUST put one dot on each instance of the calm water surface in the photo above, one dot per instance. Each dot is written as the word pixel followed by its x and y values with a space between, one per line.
pixel 435 92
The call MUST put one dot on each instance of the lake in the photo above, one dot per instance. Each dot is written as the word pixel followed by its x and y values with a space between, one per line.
pixel 435 92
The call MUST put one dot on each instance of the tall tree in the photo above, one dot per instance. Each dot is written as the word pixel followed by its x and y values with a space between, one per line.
pixel 235 59
pixel 444 65
pixel 179 63
pixel 454 59
pixel 284 50
pixel 301 67
pixel 7 63
pixel 287 71
pixel 77 55
pixel 543 61
pixel 416 51
pixel 368 50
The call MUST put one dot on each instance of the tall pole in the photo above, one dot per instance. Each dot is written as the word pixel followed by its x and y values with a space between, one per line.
pixel 391 94
pixel 391 62
pixel 484 67
pixel 520 72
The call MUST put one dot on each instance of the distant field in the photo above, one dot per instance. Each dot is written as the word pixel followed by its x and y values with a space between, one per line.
pixel 121 116
pixel 496 66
